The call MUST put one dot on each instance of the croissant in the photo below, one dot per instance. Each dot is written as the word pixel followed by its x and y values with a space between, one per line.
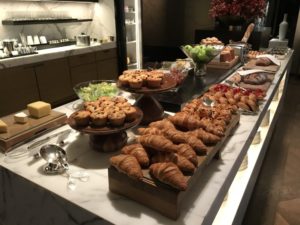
pixel 169 173
pixel 181 137
pixel 206 137
pixel 162 124
pixel 150 130
pixel 138 152
pixel 127 164
pixel 189 122
pixel 157 142
pixel 186 151
pixel 183 163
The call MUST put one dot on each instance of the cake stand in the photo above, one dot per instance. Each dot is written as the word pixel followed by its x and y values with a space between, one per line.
pixel 152 109
pixel 107 138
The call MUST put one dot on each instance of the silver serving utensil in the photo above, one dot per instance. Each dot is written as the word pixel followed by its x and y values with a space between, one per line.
pixel 56 158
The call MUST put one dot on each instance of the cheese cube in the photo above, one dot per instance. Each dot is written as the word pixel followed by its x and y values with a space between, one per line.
pixel 39 109
pixel 3 127
pixel 21 117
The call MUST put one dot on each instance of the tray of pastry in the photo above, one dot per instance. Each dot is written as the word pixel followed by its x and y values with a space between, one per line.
pixel 169 155
pixel 262 63
pixel 143 81
pixel 253 79
pixel 107 115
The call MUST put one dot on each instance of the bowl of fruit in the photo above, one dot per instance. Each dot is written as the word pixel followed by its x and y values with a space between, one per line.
pixel 201 54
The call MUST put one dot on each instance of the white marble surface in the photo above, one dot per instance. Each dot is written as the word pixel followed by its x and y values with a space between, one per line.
pixel 200 206
pixel 54 53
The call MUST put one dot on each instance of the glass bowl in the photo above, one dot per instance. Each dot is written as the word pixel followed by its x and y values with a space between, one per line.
pixel 92 90
pixel 200 55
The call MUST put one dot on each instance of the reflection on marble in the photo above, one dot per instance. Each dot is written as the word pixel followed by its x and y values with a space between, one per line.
pixel 102 13
pixel 201 203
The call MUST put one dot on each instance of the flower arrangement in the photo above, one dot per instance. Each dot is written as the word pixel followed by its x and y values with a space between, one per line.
pixel 247 9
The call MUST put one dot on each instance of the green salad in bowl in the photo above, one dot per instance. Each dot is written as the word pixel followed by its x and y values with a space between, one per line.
pixel 92 90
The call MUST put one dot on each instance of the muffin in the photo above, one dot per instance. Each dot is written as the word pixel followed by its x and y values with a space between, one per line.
pixel 124 80
pixel 119 99
pixel 135 83
pixel 123 104
pixel 90 103
pixel 107 104
pixel 82 118
pixel 154 82
pixel 103 99
pixel 99 118
pixel 117 118
pixel 130 113
pixel 113 109
pixel 92 108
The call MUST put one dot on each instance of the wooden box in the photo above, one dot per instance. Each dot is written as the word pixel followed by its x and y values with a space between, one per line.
pixel 159 196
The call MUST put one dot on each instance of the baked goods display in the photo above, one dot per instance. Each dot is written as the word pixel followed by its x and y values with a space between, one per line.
pixel 173 148
pixel 263 61
pixel 137 79
pixel 211 41
pixel 253 80
pixel 246 100
pixel 105 112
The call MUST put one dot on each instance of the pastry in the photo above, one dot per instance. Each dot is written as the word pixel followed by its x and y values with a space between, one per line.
pixel 124 80
pixel 82 118
pixel 119 99
pixel 169 173
pixel 130 113
pixel 116 118
pixel 99 118
pixel 153 82
pixel 138 151
pixel 206 137
pixel 162 124
pixel 183 163
pixel 157 142
pixel 150 130
pixel 255 78
pixel 263 61
pixel 135 83
pixel 127 164
pixel 188 152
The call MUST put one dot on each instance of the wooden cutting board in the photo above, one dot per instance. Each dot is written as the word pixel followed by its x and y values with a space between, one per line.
pixel 157 195
pixel 251 65
pixel 223 65
pixel 18 133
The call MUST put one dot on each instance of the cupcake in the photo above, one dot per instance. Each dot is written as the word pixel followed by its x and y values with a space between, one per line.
pixel 130 113
pixel 154 82
pixel 117 118
pixel 99 118
pixel 82 118
pixel 135 83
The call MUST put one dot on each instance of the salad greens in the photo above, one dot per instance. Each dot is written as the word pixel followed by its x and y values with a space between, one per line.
pixel 93 91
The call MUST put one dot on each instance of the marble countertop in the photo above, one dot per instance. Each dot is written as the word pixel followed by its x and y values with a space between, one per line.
pixel 53 53
pixel 201 204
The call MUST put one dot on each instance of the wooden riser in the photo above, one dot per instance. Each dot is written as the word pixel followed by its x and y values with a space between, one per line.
pixel 156 195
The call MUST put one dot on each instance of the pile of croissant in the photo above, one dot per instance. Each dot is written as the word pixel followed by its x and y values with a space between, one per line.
pixel 169 147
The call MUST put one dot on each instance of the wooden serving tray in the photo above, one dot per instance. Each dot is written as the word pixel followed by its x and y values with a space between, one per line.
pixel 159 196
pixel 251 65
pixel 223 65
pixel 18 133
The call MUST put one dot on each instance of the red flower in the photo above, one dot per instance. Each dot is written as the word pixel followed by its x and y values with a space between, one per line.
pixel 248 9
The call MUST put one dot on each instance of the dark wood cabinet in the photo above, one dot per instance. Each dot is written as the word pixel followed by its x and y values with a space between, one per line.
pixel 83 73
pixel 18 88
pixel 108 69
pixel 54 81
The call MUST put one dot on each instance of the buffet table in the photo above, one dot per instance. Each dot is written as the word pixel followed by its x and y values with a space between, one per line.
pixel 28 196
